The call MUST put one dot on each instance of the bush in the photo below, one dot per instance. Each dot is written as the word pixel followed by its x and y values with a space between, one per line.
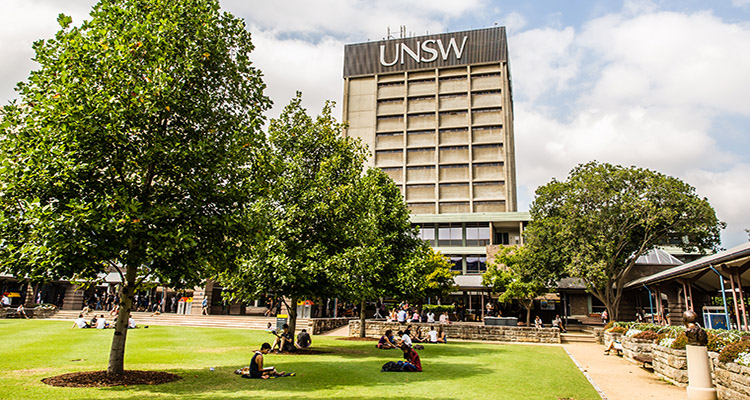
pixel 646 335
pixel 680 341
pixel 609 325
pixel 732 351
pixel 618 329
pixel 437 308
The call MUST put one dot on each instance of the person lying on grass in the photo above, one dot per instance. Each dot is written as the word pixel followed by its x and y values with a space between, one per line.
pixel 256 370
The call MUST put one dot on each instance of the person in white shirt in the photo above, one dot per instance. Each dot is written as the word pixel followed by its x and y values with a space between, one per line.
pixel 101 323
pixel 444 318
pixel 80 322
pixel 430 317
pixel 432 334
pixel 401 317
pixel 131 323
pixel 6 300
pixel 405 339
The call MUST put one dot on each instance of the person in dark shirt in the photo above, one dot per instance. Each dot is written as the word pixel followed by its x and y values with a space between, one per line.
pixel 412 363
pixel 386 341
pixel 303 340
pixel 284 341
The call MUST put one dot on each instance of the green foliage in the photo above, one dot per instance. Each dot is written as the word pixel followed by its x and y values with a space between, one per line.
pixel 731 351
pixel 434 277
pixel 596 224
pixel 438 308
pixel 131 145
pixel 133 148
pixel 609 325
pixel 309 182
pixel 680 341
pixel 617 329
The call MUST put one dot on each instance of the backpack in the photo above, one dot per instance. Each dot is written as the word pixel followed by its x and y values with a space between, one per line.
pixel 392 366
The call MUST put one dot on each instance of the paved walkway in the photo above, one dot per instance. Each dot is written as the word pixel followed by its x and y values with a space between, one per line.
pixel 620 379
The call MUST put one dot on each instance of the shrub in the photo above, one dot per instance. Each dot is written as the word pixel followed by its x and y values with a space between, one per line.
pixel 680 341
pixel 618 329
pixel 437 308
pixel 609 325
pixel 647 335
pixel 732 351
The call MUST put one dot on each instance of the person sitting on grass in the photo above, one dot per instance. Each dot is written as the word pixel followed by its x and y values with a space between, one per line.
pixel 284 341
pixel 416 336
pixel 412 363
pixel 80 322
pixel 432 335
pixel 256 370
pixel 101 323
pixel 405 338
pixel 386 341
pixel 303 340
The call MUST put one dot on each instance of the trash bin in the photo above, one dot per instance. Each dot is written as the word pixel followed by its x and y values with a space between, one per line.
pixel 181 307
pixel 189 305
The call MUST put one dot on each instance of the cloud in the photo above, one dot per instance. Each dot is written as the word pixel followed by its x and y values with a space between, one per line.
pixel 642 88
pixel 21 23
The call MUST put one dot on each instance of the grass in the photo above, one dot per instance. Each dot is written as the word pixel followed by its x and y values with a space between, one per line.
pixel 35 349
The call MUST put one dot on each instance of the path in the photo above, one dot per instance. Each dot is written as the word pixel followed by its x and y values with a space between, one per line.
pixel 620 379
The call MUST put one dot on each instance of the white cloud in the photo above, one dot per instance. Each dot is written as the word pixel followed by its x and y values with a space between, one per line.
pixel 639 88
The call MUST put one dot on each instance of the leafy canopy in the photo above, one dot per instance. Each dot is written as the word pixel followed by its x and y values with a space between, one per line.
pixel 596 224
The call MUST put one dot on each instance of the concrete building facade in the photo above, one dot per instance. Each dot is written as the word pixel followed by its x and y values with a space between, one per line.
pixel 436 112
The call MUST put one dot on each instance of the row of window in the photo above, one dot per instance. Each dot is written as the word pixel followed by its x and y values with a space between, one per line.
pixel 461 234
pixel 470 264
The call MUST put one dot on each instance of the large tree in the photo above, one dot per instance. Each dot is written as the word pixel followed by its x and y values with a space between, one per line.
pixel 311 172
pixel 132 149
pixel 380 243
pixel 598 222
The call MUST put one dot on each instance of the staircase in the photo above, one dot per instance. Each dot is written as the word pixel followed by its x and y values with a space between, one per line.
pixel 578 334
pixel 212 321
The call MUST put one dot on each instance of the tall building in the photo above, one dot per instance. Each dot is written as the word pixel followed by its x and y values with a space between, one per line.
pixel 437 114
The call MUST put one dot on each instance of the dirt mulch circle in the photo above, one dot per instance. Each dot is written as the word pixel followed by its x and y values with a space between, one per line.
pixel 358 339
pixel 102 379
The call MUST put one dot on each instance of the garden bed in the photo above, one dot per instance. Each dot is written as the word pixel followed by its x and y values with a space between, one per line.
pixel 633 348
pixel 732 380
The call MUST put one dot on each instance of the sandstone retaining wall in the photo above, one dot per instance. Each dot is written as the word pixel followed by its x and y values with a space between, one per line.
pixel 670 364
pixel 375 329
pixel 632 348
pixel 320 325
pixel 732 380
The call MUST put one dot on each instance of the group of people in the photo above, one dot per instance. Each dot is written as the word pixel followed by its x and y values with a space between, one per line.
pixel 99 322
pixel 409 337
pixel 284 341
pixel 556 323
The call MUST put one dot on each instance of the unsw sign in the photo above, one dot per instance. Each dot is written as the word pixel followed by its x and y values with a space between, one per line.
pixel 423 52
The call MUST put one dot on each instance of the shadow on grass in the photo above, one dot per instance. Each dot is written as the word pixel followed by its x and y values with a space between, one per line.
pixel 328 379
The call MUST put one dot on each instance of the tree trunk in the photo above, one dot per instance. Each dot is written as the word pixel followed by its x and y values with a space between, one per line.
pixel 528 315
pixel 362 320
pixel 117 351
pixel 292 307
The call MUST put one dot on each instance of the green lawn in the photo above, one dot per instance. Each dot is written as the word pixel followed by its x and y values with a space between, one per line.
pixel 32 350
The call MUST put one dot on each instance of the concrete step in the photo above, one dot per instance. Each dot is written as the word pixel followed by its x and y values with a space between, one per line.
pixel 576 337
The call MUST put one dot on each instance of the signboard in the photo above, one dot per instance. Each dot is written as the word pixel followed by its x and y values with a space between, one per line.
pixel 281 319
pixel 423 52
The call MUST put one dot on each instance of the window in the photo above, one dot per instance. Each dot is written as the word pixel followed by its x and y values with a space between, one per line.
pixel 450 235
pixel 427 233
pixel 476 264
pixel 502 238
pixel 458 263
pixel 477 234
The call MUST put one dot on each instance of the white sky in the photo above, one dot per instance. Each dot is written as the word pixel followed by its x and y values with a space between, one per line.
pixel 656 84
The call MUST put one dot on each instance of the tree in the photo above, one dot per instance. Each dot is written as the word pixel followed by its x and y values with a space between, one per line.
pixel 438 279
pixel 132 149
pixel 381 243
pixel 516 275
pixel 301 218
pixel 596 224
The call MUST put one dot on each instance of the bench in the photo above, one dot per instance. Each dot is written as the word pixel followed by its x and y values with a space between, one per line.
pixel 646 360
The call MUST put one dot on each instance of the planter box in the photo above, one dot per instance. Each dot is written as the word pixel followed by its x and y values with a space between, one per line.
pixel 632 348
pixel 43 313
pixel 599 335
pixel 375 329
pixel 732 380
pixel 670 364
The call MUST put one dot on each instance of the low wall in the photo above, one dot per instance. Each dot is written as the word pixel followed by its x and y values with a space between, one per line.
pixel 320 325
pixel 632 347
pixel 375 329
pixel 732 380
pixel 599 335
pixel 670 364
